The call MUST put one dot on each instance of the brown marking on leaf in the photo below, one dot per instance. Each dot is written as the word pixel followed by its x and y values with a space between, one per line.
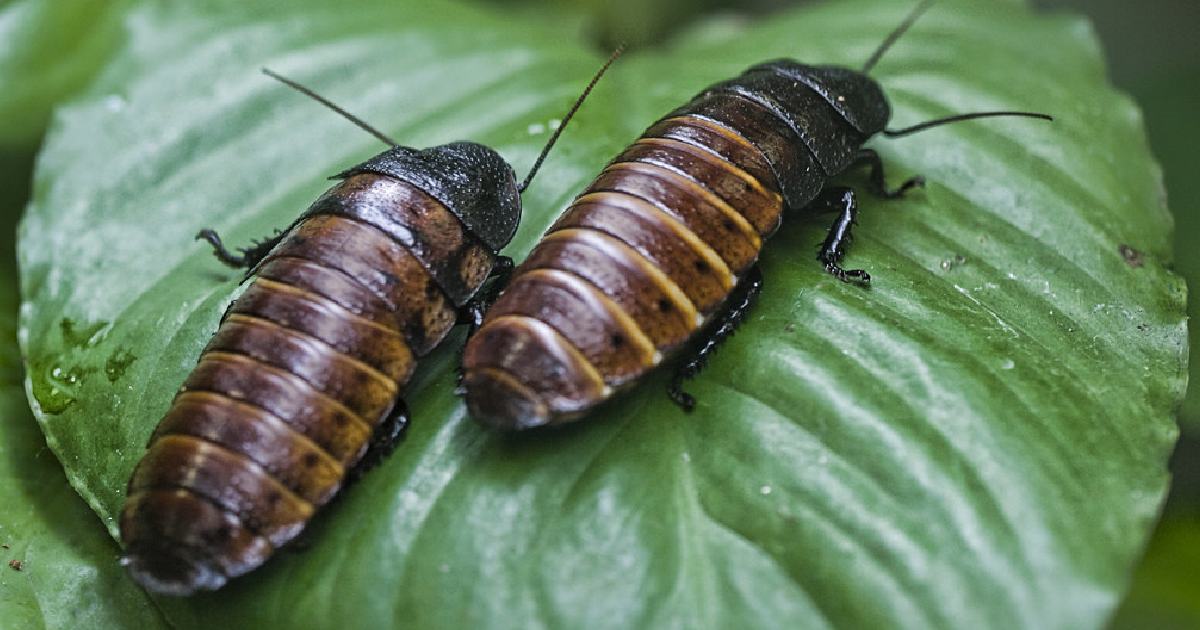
pixel 1132 257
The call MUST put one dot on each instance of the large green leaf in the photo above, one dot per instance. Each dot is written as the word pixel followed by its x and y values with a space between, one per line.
pixel 978 440
pixel 57 566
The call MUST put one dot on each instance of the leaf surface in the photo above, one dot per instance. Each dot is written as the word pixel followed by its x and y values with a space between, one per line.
pixel 979 440
pixel 49 49
pixel 58 567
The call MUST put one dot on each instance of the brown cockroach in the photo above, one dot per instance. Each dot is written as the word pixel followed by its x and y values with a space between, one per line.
pixel 300 386
pixel 658 254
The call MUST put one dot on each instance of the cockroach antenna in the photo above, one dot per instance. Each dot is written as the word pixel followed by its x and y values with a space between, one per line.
pixel 570 113
pixel 331 105
pixel 912 17
pixel 895 35
pixel 937 122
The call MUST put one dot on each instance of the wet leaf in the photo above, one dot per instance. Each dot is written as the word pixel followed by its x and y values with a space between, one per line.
pixel 57 565
pixel 978 440
pixel 58 568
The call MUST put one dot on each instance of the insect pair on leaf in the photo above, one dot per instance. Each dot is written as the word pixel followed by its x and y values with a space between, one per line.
pixel 300 388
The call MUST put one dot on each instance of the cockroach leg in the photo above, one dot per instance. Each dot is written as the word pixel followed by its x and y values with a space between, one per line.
pixel 388 435
pixel 722 326
pixel 877 185
pixel 833 249
pixel 472 312
pixel 249 257
pixel 502 270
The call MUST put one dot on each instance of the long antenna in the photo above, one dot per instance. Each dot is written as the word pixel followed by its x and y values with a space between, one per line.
pixel 327 103
pixel 570 113
pixel 937 122
pixel 894 35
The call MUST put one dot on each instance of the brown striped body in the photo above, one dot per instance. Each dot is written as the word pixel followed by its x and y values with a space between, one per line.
pixel 306 363
pixel 664 241
pixel 657 244
pixel 626 276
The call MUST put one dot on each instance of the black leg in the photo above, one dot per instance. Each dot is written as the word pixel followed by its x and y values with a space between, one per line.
pixel 473 311
pixel 723 325
pixel 387 437
pixel 833 250
pixel 877 184
pixel 249 257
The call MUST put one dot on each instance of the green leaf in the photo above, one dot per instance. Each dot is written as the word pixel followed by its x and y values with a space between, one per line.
pixel 978 440
pixel 57 566
pixel 68 575
pixel 49 49
pixel 1174 136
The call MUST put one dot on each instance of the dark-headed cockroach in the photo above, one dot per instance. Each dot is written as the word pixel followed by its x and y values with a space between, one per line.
pixel 300 386
pixel 659 252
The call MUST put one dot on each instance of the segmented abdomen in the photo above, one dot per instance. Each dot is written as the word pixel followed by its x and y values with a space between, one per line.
pixel 627 274
pixel 305 364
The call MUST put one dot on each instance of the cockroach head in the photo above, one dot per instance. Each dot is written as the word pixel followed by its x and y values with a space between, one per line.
pixel 854 95
pixel 471 180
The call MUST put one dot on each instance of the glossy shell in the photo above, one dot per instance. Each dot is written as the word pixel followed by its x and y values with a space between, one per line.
pixel 305 364
pixel 639 262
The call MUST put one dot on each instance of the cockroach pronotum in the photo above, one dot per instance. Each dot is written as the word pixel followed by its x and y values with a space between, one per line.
pixel 659 252
pixel 300 386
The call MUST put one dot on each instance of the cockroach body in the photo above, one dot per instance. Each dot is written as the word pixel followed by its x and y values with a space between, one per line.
pixel 299 389
pixel 308 363
pixel 659 252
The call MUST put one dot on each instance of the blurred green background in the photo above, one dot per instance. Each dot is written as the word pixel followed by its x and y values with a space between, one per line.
pixel 1153 53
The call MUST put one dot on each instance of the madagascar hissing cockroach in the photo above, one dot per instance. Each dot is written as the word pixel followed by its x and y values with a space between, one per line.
pixel 659 252
pixel 300 386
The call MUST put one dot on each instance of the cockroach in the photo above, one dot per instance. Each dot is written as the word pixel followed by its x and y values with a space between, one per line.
pixel 299 389
pixel 659 253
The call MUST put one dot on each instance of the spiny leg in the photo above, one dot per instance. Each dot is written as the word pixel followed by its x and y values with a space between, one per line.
pixel 248 260
pixel 833 249
pixel 388 435
pixel 473 311
pixel 724 324
pixel 249 257
pixel 840 235
pixel 877 184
